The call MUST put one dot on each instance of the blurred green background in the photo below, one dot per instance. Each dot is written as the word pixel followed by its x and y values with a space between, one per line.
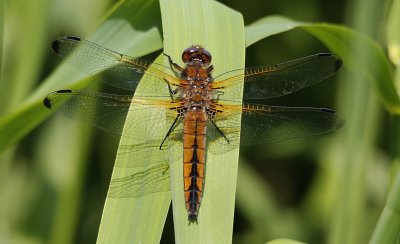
pixel 54 181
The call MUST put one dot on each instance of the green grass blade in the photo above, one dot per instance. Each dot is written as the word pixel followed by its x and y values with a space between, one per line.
pixel 388 227
pixel 393 39
pixel 393 33
pixel 24 64
pixel 131 28
pixel 62 158
pixel 340 40
pixel 220 31
pixel 1 42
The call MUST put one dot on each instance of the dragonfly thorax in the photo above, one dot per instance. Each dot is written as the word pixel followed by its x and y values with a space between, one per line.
pixel 196 73
pixel 196 96
pixel 196 77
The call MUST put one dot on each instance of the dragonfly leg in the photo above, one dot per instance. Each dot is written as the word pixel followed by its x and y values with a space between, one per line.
pixel 210 69
pixel 220 131
pixel 176 68
pixel 172 128
pixel 171 92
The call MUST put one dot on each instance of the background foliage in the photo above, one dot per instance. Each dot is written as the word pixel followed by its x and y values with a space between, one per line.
pixel 54 180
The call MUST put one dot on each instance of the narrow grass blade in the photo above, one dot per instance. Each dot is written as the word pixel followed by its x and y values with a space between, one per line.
pixel 61 160
pixel 393 33
pixel 393 39
pixel 220 30
pixel 388 227
pixel 1 42
pixel 25 61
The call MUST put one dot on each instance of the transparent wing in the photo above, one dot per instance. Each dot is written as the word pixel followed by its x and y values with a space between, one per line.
pixel 114 68
pixel 137 155
pixel 281 79
pixel 109 111
pixel 155 179
pixel 268 124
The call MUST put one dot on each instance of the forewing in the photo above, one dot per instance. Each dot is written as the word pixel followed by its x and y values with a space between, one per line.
pixel 281 79
pixel 114 68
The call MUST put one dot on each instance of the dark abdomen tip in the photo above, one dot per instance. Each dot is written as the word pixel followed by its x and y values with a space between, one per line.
pixel 192 217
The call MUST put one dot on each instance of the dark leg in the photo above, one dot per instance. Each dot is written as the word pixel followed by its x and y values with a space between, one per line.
pixel 178 68
pixel 171 92
pixel 173 126
pixel 210 69
pixel 220 131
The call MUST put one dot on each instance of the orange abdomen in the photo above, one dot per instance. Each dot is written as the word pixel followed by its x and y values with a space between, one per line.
pixel 194 155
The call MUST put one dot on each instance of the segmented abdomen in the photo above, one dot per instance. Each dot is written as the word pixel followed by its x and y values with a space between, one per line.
pixel 194 155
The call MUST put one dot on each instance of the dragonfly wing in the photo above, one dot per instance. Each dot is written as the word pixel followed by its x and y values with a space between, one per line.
pixel 109 111
pixel 268 124
pixel 281 79
pixel 224 130
pixel 152 180
pixel 114 68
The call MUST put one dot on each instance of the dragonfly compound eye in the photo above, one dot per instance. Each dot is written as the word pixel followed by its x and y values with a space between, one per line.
pixel 196 53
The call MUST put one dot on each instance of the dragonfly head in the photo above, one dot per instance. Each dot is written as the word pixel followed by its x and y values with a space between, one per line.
pixel 196 53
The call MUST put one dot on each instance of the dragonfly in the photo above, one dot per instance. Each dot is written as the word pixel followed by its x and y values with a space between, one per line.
pixel 199 107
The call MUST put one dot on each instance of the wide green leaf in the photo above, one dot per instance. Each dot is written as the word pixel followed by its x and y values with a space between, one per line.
pixel 220 30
